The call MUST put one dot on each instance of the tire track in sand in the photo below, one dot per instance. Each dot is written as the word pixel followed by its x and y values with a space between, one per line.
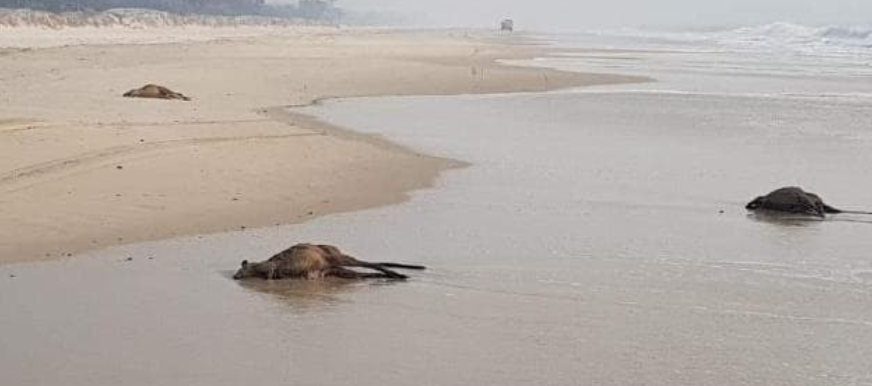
pixel 28 176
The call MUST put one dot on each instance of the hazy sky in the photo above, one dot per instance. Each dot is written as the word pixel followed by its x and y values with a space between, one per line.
pixel 584 14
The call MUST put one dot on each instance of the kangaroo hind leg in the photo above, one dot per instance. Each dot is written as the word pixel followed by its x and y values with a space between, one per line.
pixel 390 274
pixel 345 273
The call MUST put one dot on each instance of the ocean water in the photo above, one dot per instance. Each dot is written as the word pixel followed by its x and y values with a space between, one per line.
pixel 598 237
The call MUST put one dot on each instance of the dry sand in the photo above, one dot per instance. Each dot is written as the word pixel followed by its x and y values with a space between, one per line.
pixel 83 168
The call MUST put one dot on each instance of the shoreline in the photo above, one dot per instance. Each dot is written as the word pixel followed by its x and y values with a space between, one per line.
pixel 222 164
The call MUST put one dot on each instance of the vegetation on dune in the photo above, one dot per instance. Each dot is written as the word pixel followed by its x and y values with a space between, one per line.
pixel 308 9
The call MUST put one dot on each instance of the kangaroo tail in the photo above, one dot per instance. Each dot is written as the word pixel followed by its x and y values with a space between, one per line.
pixel 403 266
pixel 830 209
pixel 852 212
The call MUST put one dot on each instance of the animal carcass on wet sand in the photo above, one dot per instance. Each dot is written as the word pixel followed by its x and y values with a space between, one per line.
pixel 311 261
pixel 796 201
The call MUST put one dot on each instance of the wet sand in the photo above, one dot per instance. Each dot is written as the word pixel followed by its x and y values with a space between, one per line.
pixel 582 246
pixel 82 168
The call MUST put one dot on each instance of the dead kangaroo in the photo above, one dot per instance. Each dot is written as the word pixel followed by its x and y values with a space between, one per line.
pixel 311 262
pixel 155 91
pixel 796 201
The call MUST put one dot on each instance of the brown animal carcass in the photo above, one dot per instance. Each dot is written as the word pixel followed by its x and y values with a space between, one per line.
pixel 309 261
pixel 155 91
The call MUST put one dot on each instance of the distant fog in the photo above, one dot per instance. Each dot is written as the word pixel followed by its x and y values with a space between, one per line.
pixel 586 14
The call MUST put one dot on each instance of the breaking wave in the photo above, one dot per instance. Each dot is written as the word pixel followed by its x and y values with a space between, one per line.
pixel 775 36
pixel 131 18
pixel 799 36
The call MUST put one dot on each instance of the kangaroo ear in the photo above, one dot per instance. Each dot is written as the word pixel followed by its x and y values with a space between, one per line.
pixel 244 263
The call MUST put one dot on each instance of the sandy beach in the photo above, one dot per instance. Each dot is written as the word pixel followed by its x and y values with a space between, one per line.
pixel 593 236
pixel 82 168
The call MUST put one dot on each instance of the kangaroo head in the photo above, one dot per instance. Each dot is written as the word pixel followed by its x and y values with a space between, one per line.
pixel 756 204
pixel 247 270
